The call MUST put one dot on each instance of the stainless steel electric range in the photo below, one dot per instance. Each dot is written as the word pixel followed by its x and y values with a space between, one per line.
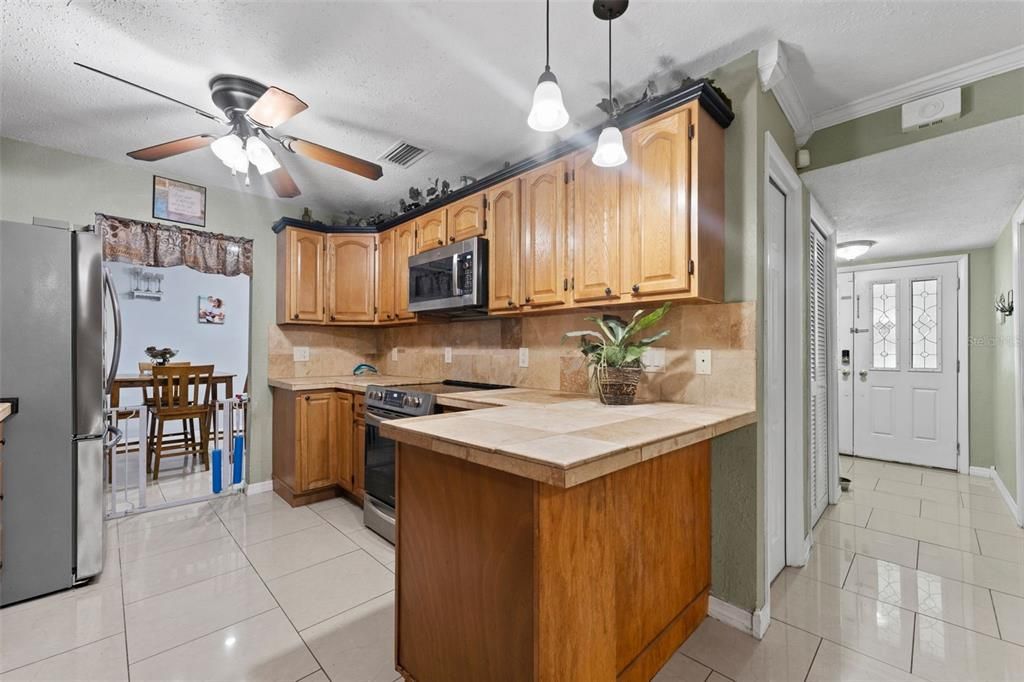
pixel 384 403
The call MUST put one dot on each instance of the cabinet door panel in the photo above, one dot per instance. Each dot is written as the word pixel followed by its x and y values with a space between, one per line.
pixel 466 218
pixel 405 246
pixel 595 253
pixel 343 452
pixel 432 230
pixel 657 235
pixel 358 457
pixel 351 296
pixel 318 439
pixel 544 235
pixel 503 250
pixel 306 276
pixel 386 276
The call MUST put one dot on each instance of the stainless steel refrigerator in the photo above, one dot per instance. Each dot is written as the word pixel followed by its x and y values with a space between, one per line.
pixel 52 288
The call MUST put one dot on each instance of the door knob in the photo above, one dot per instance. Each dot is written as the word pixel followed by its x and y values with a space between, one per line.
pixel 863 374
pixel 846 372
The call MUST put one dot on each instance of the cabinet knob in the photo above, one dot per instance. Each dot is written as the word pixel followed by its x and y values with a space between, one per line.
pixel 295 316
pixel 440 241
pixel 307 397
pixel 451 239
pixel 332 318
pixel 511 303
pixel 636 288
pixel 607 291
pixel 528 299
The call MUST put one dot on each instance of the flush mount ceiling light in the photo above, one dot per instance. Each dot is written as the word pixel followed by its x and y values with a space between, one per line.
pixel 610 151
pixel 854 249
pixel 548 113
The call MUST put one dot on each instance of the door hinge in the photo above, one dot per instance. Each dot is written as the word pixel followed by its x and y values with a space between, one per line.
pixel 691 131
pixel 374 310
pixel 691 267
pixel 572 284
pixel 485 224
pixel 486 203
pixel 958 448
pixel 567 177
pixel 958 284
pixel 957 366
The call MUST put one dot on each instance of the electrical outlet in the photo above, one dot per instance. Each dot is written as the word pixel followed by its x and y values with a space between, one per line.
pixel 448 355
pixel 300 353
pixel 524 357
pixel 394 354
pixel 703 358
pixel 653 360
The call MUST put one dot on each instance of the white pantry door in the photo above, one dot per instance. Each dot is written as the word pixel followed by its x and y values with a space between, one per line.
pixel 905 360
pixel 818 476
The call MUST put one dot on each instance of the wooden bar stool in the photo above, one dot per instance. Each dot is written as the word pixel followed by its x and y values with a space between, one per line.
pixel 181 393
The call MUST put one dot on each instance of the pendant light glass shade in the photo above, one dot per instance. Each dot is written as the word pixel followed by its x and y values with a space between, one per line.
pixel 230 151
pixel 610 150
pixel 548 112
pixel 259 155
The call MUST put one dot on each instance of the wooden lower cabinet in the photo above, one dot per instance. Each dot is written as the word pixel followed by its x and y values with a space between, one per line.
pixel 506 578
pixel 314 453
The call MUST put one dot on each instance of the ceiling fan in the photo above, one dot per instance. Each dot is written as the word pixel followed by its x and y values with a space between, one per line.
pixel 251 110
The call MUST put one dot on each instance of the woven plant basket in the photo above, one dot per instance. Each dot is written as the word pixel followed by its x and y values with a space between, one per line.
pixel 617 385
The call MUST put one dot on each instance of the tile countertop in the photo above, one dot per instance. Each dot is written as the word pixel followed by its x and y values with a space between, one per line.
pixel 345 382
pixel 562 439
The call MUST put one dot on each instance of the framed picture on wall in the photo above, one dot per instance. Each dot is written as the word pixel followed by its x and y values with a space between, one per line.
pixel 211 310
pixel 179 201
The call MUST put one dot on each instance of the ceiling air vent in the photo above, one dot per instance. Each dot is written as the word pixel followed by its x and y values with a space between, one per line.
pixel 403 154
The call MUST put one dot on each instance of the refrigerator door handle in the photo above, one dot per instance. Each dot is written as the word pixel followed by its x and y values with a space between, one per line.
pixel 115 307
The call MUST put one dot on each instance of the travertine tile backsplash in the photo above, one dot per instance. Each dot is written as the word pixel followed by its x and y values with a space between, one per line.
pixel 488 351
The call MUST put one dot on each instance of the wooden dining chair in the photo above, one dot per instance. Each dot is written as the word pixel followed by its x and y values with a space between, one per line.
pixel 181 393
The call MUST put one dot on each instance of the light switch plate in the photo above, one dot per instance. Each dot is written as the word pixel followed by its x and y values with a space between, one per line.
pixel 300 353
pixel 653 360
pixel 524 357
pixel 394 354
pixel 703 358
pixel 448 355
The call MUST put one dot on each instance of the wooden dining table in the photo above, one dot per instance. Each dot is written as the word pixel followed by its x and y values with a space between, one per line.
pixel 122 381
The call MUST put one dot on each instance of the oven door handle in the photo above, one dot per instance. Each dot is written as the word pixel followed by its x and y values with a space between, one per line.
pixel 375 420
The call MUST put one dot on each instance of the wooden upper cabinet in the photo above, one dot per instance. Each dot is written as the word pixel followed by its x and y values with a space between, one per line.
pixel 466 218
pixel 351 261
pixel 301 270
pixel 543 242
pixel 656 229
pixel 317 434
pixel 386 276
pixel 595 230
pixel 432 230
pixel 405 246
pixel 503 206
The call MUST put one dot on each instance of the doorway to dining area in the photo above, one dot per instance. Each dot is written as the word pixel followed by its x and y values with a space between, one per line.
pixel 184 357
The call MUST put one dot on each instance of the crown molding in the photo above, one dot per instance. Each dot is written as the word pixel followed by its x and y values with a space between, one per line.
pixel 992 65
pixel 773 71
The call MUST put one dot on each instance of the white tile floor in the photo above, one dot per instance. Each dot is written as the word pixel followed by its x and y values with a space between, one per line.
pixel 914 575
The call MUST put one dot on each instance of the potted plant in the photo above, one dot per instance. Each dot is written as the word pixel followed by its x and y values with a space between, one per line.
pixel 614 352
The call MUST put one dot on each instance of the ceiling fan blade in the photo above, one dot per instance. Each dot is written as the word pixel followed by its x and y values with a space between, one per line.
pixel 274 107
pixel 172 148
pixel 347 162
pixel 282 183
pixel 153 92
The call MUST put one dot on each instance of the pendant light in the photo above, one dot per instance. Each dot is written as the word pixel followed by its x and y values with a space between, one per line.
pixel 548 112
pixel 610 150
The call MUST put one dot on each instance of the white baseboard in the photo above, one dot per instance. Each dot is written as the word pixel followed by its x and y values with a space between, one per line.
pixel 1007 497
pixel 760 620
pixel 730 614
pixel 261 487
pixel 981 472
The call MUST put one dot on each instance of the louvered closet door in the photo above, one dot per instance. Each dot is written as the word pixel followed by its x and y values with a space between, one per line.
pixel 818 344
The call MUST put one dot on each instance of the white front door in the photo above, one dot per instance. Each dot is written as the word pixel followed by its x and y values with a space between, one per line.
pixel 905 361
pixel 775 378
pixel 844 361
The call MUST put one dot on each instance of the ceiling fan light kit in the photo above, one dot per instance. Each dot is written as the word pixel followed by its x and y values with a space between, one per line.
pixel 548 112
pixel 251 109
pixel 610 150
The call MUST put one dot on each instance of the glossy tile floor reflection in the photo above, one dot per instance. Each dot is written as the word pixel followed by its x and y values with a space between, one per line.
pixel 916 574
pixel 242 588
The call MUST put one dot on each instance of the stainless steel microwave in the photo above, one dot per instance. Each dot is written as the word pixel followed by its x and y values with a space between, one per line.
pixel 451 279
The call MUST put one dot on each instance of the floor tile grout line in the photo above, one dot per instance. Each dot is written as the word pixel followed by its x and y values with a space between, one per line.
pixel 995 612
pixel 355 606
pixel 839 644
pixel 124 616
pixel 61 653
pixel 813 658
pixel 849 570
pixel 315 563
pixel 176 549
pixel 275 537
pixel 913 642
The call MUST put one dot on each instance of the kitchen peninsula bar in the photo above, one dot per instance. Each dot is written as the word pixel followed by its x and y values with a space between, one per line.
pixel 552 538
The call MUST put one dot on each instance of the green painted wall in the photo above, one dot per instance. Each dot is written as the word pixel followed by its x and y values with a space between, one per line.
pixel 48 183
pixel 1003 399
pixel 985 101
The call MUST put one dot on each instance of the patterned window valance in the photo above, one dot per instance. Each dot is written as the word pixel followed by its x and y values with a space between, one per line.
pixel 164 246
